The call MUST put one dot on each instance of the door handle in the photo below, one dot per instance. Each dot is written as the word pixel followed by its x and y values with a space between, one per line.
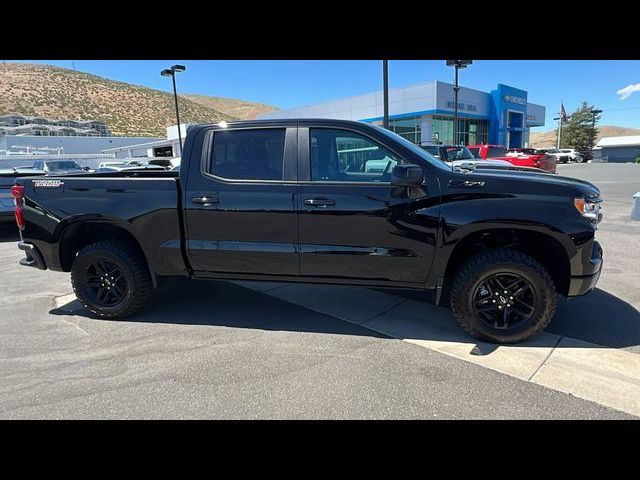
pixel 205 200
pixel 320 202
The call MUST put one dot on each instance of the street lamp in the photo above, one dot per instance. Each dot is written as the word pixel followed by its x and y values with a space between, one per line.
pixel 458 64
pixel 594 114
pixel 171 72
pixel 385 93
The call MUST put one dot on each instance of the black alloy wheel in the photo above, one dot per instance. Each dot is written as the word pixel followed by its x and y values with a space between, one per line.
pixel 502 300
pixel 106 283
pixel 502 295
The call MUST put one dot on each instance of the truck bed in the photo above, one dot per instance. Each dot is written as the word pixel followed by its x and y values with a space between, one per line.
pixel 145 204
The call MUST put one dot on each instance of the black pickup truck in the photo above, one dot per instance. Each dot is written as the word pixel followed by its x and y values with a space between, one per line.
pixel 322 201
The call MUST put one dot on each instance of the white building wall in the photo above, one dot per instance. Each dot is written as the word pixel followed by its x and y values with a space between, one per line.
pixel 172 131
pixel 413 98
pixel 480 101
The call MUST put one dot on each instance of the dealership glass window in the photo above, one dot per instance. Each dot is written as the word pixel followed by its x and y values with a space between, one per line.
pixel 254 154
pixel 471 131
pixel 408 128
pixel 345 156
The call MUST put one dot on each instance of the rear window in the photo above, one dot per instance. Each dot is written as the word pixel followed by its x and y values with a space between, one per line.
pixel 496 152
pixel 256 154
pixel 475 152
pixel 435 151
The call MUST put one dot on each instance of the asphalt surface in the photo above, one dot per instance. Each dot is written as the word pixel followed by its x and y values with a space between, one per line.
pixel 218 350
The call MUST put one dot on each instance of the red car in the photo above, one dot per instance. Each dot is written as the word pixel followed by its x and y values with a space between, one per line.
pixel 522 157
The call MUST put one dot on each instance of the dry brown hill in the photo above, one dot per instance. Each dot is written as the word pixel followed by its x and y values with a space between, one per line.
pixel 549 139
pixel 231 106
pixel 55 92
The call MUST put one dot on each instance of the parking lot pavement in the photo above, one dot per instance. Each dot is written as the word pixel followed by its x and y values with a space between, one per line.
pixel 233 352
pixel 220 350
pixel 610 316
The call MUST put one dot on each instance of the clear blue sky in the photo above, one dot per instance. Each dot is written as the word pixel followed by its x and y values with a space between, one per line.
pixel 290 83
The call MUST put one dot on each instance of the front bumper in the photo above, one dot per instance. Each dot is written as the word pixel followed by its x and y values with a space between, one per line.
pixel 32 258
pixel 579 285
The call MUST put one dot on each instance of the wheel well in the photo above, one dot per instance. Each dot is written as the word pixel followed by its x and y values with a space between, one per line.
pixel 78 236
pixel 545 249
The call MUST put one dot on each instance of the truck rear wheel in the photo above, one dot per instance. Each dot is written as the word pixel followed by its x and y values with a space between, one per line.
pixel 111 279
pixel 503 296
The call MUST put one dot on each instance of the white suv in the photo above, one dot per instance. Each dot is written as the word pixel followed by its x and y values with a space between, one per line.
pixel 574 156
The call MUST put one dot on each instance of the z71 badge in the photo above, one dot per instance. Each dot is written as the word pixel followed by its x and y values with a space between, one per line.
pixel 47 183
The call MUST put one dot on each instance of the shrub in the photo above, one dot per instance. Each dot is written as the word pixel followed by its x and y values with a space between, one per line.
pixel 638 160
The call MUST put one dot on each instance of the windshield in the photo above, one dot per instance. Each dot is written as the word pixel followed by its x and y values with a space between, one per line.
pixel 449 154
pixel 414 148
pixel 553 150
pixel 458 153
pixel 67 165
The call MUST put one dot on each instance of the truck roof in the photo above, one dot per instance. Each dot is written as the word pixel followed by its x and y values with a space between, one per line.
pixel 284 121
pixel 485 145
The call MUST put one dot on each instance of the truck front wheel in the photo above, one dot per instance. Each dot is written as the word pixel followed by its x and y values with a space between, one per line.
pixel 503 296
pixel 111 279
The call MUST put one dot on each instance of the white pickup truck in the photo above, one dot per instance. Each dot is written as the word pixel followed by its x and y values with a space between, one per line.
pixel 566 155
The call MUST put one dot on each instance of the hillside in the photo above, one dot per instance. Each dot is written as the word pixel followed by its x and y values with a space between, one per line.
pixel 548 139
pixel 231 106
pixel 128 110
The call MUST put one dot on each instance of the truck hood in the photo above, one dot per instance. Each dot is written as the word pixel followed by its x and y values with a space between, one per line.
pixel 531 182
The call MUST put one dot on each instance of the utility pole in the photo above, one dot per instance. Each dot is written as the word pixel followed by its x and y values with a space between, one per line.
pixel 385 93
pixel 559 130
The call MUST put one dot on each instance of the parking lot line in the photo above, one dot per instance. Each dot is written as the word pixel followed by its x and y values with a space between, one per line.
pixel 434 328
pixel 607 376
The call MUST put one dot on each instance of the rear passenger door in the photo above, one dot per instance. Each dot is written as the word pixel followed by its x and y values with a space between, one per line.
pixel 240 211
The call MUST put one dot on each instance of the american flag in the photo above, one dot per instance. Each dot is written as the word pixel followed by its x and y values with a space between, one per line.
pixel 563 113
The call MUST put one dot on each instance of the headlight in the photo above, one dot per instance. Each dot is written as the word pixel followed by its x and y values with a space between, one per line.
pixel 589 209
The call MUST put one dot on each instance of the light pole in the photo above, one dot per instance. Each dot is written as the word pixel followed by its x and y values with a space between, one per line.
pixel 385 93
pixel 594 114
pixel 171 72
pixel 457 64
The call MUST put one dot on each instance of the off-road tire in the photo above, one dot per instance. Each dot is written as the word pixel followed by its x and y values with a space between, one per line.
pixel 489 262
pixel 132 264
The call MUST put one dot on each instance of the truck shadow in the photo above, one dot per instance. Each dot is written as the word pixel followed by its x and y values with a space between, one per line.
pixel 225 304
pixel 598 318
pixel 8 232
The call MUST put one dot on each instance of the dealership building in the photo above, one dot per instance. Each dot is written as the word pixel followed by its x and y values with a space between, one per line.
pixel 423 113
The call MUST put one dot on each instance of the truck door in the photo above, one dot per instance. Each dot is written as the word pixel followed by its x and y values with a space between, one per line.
pixel 353 223
pixel 240 214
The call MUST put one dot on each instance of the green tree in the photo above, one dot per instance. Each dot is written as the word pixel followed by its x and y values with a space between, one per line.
pixel 580 131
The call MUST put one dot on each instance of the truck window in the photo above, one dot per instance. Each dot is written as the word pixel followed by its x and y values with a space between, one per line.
pixel 344 156
pixel 496 152
pixel 435 151
pixel 255 154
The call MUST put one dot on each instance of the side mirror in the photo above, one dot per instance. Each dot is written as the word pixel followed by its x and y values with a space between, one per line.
pixel 407 176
